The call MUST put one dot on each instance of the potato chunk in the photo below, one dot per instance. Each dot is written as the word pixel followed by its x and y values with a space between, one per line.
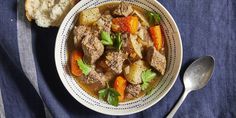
pixel 89 16
pixel 133 72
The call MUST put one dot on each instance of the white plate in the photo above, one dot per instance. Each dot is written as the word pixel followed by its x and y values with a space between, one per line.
pixel 174 60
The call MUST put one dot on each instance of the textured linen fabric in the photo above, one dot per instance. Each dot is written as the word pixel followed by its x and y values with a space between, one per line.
pixel 30 86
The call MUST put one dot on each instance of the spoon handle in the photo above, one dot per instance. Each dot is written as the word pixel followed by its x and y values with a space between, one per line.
pixel 173 111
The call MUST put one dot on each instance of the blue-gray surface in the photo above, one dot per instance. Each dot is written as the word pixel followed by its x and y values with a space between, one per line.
pixel 207 27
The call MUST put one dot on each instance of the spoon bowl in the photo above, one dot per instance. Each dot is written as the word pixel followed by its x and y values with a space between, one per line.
pixel 199 73
pixel 196 77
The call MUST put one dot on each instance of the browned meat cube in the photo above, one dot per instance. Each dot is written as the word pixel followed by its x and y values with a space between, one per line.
pixel 94 77
pixel 132 90
pixel 92 48
pixel 104 23
pixel 114 60
pixel 156 60
pixel 95 80
pixel 124 9
pixel 79 33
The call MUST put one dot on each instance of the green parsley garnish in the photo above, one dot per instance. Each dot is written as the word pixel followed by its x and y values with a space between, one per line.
pixel 106 38
pixel 84 67
pixel 114 40
pixel 117 41
pixel 110 95
pixel 154 18
pixel 147 76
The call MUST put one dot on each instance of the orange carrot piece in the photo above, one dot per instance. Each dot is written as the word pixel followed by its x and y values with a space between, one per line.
pixel 75 70
pixel 133 24
pixel 120 85
pixel 156 36
pixel 125 24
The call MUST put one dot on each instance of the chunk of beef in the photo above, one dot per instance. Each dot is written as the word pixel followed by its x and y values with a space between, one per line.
pixel 95 31
pixel 79 33
pixel 124 9
pixel 100 64
pixel 92 48
pixel 102 67
pixel 132 90
pixel 115 59
pixel 95 79
pixel 104 23
pixel 156 60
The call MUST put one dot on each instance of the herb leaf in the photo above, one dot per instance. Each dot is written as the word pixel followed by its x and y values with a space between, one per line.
pixel 154 18
pixel 112 99
pixel 114 92
pixel 147 76
pixel 144 85
pixel 84 67
pixel 118 41
pixel 106 38
pixel 151 18
pixel 102 94
pixel 111 96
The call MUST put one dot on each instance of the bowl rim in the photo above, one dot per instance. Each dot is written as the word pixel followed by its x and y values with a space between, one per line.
pixel 147 106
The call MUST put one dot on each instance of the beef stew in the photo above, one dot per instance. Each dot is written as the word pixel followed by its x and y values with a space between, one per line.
pixel 117 52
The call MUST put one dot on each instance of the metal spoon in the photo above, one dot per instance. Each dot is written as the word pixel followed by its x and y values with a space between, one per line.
pixel 195 77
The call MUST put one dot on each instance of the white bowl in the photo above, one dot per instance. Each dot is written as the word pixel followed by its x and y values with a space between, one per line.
pixel 174 60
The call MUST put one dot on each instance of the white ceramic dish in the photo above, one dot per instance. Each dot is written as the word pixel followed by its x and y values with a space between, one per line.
pixel 174 60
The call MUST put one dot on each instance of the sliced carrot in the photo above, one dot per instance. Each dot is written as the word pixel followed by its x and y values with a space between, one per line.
pixel 125 24
pixel 156 36
pixel 133 24
pixel 75 70
pixel 120 85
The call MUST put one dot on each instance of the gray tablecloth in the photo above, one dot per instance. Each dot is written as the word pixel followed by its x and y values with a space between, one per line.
pixel 30 86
